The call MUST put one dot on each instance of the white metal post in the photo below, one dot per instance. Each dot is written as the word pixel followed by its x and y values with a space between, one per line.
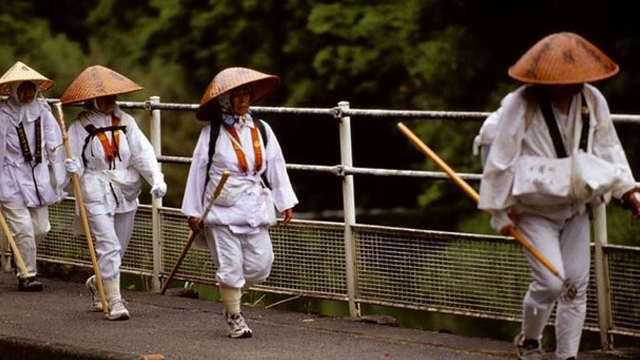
pixel 349 211
pixel 605 321
pixel 156 204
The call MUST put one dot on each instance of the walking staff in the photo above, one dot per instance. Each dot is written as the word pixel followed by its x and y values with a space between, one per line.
pixel 83 212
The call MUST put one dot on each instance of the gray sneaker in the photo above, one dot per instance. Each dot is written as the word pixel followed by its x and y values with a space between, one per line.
pixel 528 349
pixel 237 326
pixel 95 294
pixel 117 311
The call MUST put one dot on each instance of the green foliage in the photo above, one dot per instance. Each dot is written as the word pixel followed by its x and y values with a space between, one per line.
pixel 621 230
pixel 54 56
pixel 407 54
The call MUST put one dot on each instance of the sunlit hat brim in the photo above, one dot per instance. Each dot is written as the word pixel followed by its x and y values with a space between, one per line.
pixel 21 72
pixel 229 79
pixel 563 58
pixel 96 81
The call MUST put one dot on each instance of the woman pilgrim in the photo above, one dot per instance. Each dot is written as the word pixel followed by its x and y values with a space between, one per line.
pixel 236 228
pixel 110 155
pixel 29 137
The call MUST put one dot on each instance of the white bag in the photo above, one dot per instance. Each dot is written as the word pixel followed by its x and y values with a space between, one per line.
pixel 270 207
pixel 542 181
pixel 231 192
pixel 592 177
pixel 582 177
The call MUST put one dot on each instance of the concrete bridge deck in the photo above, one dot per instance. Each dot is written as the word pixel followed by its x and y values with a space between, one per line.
pixel 59 324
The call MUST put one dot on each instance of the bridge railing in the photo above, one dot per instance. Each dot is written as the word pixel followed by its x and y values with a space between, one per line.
pixel 456 273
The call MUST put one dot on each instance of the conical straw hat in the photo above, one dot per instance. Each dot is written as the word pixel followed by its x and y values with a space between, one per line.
pixel 96 81
pixel 231 78
pixel 21 72
pixel 563 58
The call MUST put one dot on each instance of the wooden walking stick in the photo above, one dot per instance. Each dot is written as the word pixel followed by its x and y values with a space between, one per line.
pixel 14 247
pixel 569 290
pixel 83 213
pixel 192 236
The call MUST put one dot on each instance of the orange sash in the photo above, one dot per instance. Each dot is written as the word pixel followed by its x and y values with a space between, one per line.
pixel 242 159
pixel 111 151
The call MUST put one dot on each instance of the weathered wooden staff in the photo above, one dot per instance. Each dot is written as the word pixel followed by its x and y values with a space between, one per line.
pixel 192 236
pixel 83 213
pixel 14 247
pixel 569 290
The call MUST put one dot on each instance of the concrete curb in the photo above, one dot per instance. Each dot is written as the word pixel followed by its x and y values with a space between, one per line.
pixel 27 349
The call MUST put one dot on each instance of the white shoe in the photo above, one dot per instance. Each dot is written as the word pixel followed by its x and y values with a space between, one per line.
pixel 237 326
pixel 529 351
pixel 117 311
pixel 95 294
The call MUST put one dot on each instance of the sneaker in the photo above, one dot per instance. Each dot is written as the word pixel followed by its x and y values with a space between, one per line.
pixel 237 326
pixel 528 349
pixel 117 311
pixel 29 284
pixel 95 294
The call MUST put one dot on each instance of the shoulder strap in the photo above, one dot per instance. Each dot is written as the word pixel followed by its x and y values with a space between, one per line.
pixel 584 135
pixel 265 138
pixel 24 144
pixel 263 131
pixel 111 150
pixel 213 137
pixel 554 132
pixel 552 125
pixel 214 131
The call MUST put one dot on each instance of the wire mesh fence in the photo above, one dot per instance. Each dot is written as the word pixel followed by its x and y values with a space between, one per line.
pixel 446 272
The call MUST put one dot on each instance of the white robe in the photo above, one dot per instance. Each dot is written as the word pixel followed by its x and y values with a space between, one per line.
pixel 96 179
pixel 247 209
pixel 516 137
pixel 18 184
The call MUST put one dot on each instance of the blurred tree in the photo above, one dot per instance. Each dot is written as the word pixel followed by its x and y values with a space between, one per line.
pixel 409 54
pixel 27 38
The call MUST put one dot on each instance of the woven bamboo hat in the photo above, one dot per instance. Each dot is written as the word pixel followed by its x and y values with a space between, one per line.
pixel 21 72
pixel 230 78
pixel 96 81
pixel 563 58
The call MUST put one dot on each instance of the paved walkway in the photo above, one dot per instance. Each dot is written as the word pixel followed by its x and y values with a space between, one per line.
pixel 59 324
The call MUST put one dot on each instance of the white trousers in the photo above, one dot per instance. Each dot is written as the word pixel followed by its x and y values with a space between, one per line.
pixel 243 260
pixel 111 236
pixel 28 226
pixel 566 245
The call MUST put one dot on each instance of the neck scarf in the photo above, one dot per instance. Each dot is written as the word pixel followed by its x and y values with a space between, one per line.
pixel 229 118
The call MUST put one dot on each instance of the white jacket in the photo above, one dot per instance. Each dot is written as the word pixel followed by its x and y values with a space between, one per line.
pixel 242 203
pixel 518 140
pixel 19 182
pixel 105 190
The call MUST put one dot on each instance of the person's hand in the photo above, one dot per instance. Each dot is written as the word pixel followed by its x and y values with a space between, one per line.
pixel 194 224
pixel 159 189
pixel 72 165
pixel 631 201
pixel 287 215
pixel 502 221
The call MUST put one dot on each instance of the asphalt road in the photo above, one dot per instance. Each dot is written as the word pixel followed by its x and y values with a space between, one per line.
pixel 59 323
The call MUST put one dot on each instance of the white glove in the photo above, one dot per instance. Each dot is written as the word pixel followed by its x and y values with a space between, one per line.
pixel 159 189
pixel 500 220
pixel 72 165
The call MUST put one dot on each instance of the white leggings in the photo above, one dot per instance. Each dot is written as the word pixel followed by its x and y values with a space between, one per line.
pixel 28 227
pixel 566 245
pixel 242 259
pixel 112 234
